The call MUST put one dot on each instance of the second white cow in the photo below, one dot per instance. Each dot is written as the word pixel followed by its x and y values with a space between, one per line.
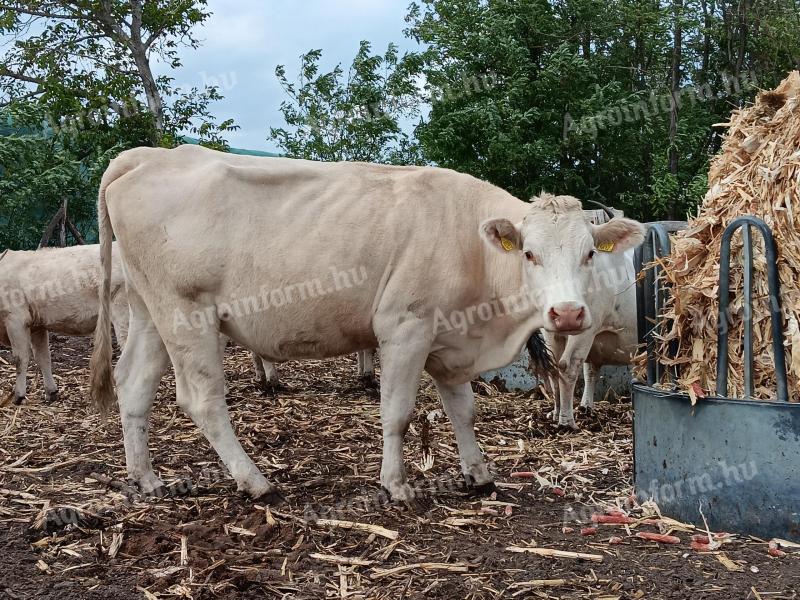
pixel 611 339
pixel 53 289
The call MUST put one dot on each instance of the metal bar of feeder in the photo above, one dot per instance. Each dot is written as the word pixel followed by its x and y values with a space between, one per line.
pixel 775 306
pixel 747 260
pixel 657 245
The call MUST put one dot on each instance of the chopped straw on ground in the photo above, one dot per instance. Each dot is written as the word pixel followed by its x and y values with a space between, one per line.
pixel 757 173
pixel 71 527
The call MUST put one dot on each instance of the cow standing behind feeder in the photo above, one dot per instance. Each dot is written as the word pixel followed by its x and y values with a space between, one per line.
pixel 53 289
pixel 612 337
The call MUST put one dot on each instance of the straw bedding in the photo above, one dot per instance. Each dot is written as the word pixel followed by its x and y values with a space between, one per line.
pixel 756 173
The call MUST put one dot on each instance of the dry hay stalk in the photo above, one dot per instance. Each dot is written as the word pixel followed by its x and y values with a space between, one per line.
pixel 757 173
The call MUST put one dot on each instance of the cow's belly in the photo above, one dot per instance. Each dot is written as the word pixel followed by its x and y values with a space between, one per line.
pixel 83 327
pixel 321 329
pixel 612 348
pixel 65 316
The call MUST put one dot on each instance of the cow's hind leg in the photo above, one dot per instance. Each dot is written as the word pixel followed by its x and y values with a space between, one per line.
pixel 139 371
pixel 40 342
pixel 459 404
pixel 120 317
pixel 366 369
pixel 269 380
pixel 200 382
pixel 20 337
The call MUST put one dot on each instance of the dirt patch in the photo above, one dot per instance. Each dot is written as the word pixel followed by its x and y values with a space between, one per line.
pixel 71 527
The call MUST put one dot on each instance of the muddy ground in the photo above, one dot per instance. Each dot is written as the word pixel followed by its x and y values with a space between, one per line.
pixel 73 528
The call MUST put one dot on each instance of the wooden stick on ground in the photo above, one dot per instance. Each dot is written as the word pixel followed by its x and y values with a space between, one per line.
pixel 556 553
pixel 452 568
pixel 342 560
pixel 376 529
pixel 540 583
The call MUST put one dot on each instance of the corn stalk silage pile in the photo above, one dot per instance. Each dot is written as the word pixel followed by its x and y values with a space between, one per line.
pixel 757 173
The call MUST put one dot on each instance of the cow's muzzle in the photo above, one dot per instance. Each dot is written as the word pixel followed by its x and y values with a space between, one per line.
pixel 567 317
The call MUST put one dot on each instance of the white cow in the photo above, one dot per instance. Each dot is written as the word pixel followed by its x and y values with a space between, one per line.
pixel 611 340
pixel 269 380
pixel 446 273
pixel 53 289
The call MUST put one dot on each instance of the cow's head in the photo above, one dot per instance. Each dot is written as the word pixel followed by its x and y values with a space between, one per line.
pixel 556 247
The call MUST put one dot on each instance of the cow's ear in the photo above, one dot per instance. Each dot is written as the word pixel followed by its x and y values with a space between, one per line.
pixel 618 235
pixel 502 235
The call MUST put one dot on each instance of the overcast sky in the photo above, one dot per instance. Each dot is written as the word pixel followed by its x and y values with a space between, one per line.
pixel 244 40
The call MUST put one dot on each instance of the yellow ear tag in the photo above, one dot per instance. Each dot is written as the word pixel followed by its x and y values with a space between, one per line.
pixel 606 247
pixel 507 244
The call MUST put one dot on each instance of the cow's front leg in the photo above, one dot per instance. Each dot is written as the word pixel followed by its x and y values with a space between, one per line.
pixel 20 337
pixel 569 366
pixel 557 344
pixel 589 385
pixel 403 357
pixel 459 404
pixel 568 374
pixel 40 341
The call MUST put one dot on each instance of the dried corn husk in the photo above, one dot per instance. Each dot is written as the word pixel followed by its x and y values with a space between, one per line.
pixel 757 173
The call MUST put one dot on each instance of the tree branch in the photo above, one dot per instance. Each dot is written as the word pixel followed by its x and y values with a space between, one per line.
pixel 20 9
pixel 6 72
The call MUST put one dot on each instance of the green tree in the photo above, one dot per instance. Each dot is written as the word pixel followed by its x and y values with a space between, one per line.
pixel 88 55
pixel 359 116
pixel 77 86
pixel 582 101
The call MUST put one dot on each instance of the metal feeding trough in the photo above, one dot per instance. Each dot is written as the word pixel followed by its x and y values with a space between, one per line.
pixel 736 460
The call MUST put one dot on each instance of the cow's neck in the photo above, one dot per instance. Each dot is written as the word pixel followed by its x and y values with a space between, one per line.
pixel 516 315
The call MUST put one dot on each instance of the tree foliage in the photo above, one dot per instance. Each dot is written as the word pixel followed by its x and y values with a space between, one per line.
pixel 358 116
pixel 583 90
pixel 77 86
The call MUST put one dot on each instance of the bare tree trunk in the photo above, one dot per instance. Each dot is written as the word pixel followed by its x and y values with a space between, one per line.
pixel 675 83
pixel 62 232
pixel 153 95
pixel 707 12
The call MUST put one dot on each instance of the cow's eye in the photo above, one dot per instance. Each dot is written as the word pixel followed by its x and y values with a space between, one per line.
pixel 532 258
pixel 591 255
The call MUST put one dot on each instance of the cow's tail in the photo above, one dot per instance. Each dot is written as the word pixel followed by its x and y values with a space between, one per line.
pixel 542 364
pixel 101 373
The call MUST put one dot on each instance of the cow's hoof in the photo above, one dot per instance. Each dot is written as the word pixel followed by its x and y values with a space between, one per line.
pixel 19 400
pixel 482 490
pixel 401 493
pixel 369 382
pixel 150 485
pixel 568 425
pixel 51 397
pixel 587 410
pixel 256 487
pixel 271 388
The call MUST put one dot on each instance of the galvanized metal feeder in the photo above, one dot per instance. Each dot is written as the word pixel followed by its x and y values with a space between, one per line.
pixel 735 460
